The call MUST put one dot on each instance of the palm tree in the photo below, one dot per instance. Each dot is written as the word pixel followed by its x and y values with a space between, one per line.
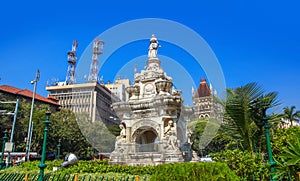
pixel 291 114
pixel 238 112
pixel 260 106
pixel 258 112
pixel 245 108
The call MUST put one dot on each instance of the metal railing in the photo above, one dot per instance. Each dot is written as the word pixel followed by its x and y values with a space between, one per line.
pixel 68 177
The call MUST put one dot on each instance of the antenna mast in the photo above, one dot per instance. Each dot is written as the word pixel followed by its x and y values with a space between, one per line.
pixel 97 50
pixel 70 78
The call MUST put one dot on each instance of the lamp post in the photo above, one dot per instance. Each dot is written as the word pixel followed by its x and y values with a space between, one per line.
pixel 28 141
pixel 5 138
pixel 58 150
pixel 42 165
pixel 3 112
pixel 271 160
pixel 15 113
pixel 14 122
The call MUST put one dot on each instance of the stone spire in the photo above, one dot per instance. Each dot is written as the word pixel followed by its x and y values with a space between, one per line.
pixel 203 89
pixel 153 69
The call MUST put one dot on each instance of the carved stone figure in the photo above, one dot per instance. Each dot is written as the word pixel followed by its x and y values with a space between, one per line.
pixel 123 132
pixel 120 140
pixel 170 136
pixel 152 50
pixel 122 137
pixel 168 128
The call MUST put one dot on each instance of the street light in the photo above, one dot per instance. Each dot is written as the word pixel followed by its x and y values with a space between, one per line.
pixel 271 160
pixel 14 122
pixel 15 113
pixel 28 141
pixel 42 165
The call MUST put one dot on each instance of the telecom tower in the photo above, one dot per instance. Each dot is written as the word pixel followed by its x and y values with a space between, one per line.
pixel 70 78
pixel 97 50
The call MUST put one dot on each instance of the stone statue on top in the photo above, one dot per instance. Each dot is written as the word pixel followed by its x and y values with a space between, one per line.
pixel 154 45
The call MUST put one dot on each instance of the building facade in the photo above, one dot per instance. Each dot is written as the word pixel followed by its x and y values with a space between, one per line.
pixel 286 123
pixel 10 93
pixel 206 104
pixel 126 83
pixel 90 99
pixel 118 89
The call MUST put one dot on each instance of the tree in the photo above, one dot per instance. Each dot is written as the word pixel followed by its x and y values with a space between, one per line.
pixel 238 112
pixel 21 126
pixel 64 128
pixel 197 128
pixel 99 135
pixel 245 108
pixel 291 114
pixel 258 111
pixel 202 142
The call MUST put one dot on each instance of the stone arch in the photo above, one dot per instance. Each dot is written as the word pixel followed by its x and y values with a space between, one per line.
pixel 145 132
pixel 144 138
pixel 145 135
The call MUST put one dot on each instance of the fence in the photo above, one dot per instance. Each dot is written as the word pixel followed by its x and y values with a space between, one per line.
pixel 67 177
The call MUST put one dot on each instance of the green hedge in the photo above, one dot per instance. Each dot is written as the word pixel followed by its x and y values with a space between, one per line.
pixel 194 171
pixel 82 167
pixel 244 165
pixel 175 171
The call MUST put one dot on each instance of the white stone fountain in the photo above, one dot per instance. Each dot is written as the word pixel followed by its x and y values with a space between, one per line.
pixel 153 125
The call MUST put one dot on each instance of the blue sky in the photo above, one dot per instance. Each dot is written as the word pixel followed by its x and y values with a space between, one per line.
pixel 254 41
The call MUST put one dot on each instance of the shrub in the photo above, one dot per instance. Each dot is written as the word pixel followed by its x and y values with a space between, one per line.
pixel 242 163
pixel 194 171
pixel 174 171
